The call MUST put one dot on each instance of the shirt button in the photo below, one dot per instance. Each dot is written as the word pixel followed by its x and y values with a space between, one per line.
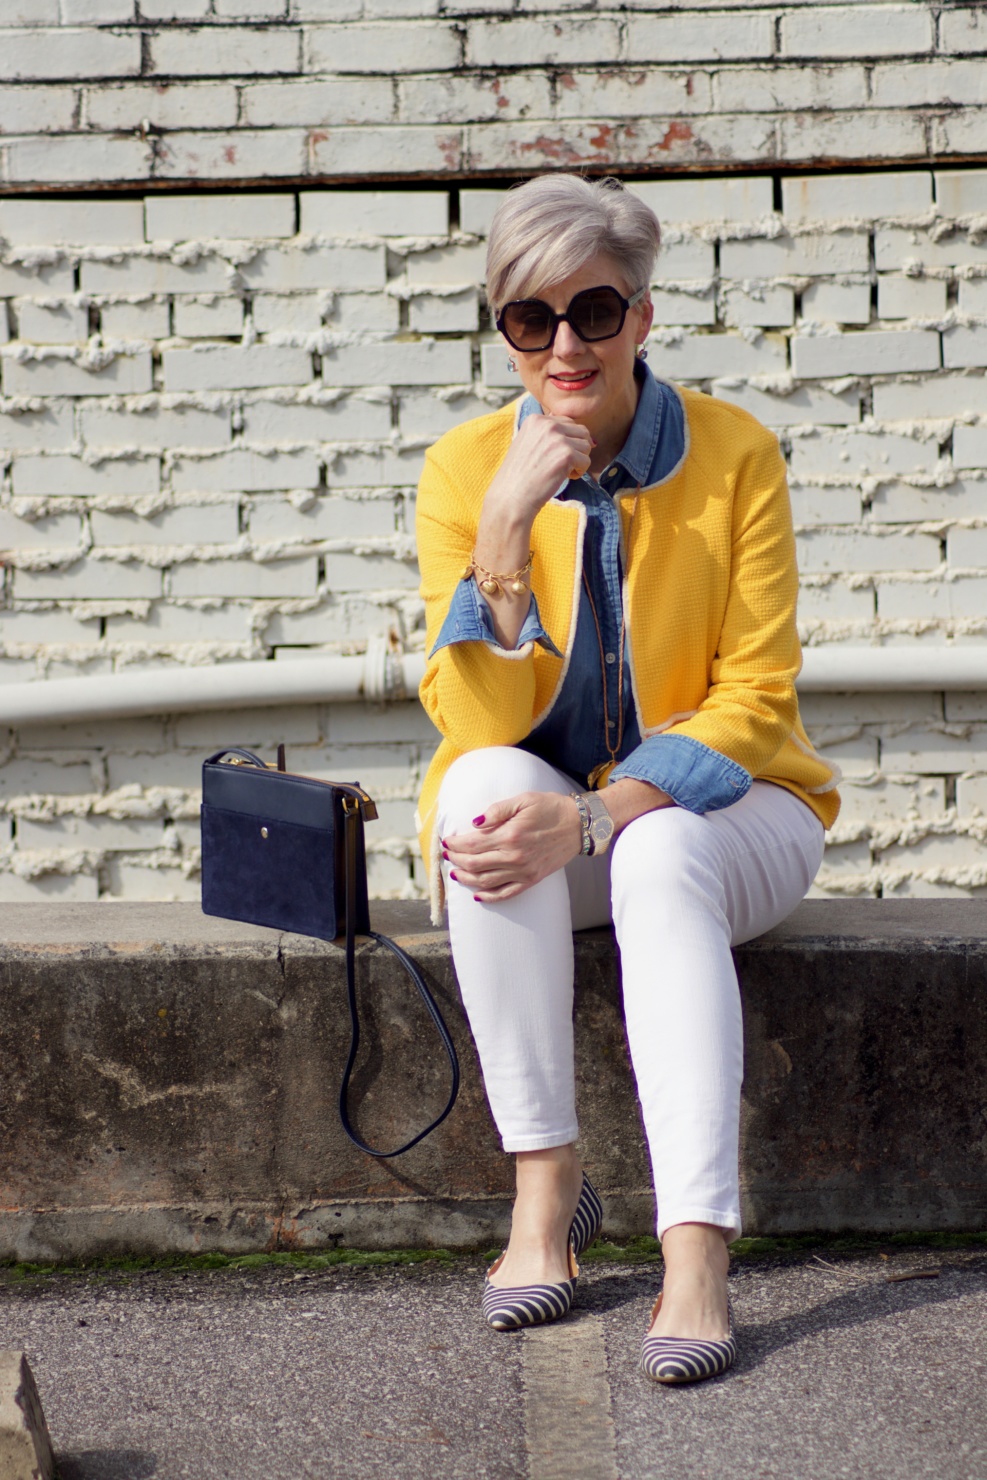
pixel 611 723
pixel 611 657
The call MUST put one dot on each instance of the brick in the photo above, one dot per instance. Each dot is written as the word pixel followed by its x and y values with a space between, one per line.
pixel 904 504
pixel 973 295
pixel 64 888
pixel 96 12
pixel 834 603
pixel 75 52
pixel 37 110
pixel 960 708
pixel 879 135
pixel 477 208
pixel 316 104
pixel 962 192
pixel 342 620
pixel 4 324
pixel 699 38
pixel 702 356
pixel 683 308
pixel 806 404
pixel 175 10
pixel 364 724
pixel 363 153
pixel 159 428
pixel 865 353
pixel 290 269
pixel 130 881
pixel 869 709
pixel 475 97
pixel 216 318
pixel 872 197
pixel 422 415
pixel 228 51
pixel 206 524
pixel 940 600
pixel 103 223
pixel 97 736
pixel 112 833
pixel 857 454
pixel 50 428
pixel 231 578
pixel 38 280
pixel 31 13
pixel 838 303
pixel 963 30
pixel 825 505
pixel 381 768
pixel 360 311
pixel 900 297
pixel 806 256
pixel 105 579
pixel 31 776
pixel 212 156
pixel 163 106
pixel 199 217
pixel 745 198
pixel 857 757
pixel 446 266
pixel 494 368
pixel 963 348
pixel 866 552
pixel 150 320
pixel 941 396
pixel 387 47
pixel 126 375
pixel 53 626
pixel 971 796
pixel 254 9
pixel 385 468
pixel 60 530
pixel 229 367
pixel 255 728
pixel 327 10
pixel 763 89
pixel 927 752
pixel 684 261
pixel 534 42
pixel 243 471
pixel 67 324
pixel 70 475
pixel 970 450
pixel 428 362
pixel 328 518
pixel 348 419
pixel 897 247
pixel 370 573
pixel 767 306
pixel 454 313
pixel 628 93
pixel 924 84
pixel 967 547
pixel 168 623
pixel 857 31
pixel 149 275
pixel 77 159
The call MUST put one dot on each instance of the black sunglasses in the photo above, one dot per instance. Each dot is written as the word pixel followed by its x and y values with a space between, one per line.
pixel 529 325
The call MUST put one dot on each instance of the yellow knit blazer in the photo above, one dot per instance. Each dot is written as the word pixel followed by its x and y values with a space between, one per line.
pixel 710 586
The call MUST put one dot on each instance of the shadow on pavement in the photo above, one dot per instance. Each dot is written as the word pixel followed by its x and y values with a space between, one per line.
pixel 107 1464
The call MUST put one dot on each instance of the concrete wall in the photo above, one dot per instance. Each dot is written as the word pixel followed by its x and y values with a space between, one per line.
pixel 214 405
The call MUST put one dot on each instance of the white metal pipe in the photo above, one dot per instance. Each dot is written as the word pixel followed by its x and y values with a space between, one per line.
pixel 380 675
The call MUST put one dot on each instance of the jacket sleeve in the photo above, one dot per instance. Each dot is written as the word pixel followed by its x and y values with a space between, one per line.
pixel 475 693
pixel 750 706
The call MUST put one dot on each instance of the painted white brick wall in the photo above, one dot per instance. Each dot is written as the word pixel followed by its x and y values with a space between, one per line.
pixel 212 419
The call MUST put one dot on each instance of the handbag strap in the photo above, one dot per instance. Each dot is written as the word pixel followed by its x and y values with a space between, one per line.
pixel 351 828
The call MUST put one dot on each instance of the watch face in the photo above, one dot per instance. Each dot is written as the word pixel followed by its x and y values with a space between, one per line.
pixel 602 828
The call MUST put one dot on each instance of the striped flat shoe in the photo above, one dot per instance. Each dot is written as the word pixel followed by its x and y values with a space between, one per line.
pixel 676 1359
pixel 530 1305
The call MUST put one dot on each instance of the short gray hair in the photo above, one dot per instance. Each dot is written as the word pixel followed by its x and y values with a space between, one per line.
pixel 547 228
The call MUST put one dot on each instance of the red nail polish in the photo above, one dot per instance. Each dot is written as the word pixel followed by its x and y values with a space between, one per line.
pixel 477 899
pixel 453 876
pixel 445 856
pixel 479 821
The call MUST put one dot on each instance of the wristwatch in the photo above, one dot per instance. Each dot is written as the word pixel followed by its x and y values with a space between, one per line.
pixel 597 824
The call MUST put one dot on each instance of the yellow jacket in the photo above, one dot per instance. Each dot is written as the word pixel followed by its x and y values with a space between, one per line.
pixel 710 587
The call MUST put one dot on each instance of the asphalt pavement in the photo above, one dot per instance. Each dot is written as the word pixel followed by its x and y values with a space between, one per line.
pixel 277 1373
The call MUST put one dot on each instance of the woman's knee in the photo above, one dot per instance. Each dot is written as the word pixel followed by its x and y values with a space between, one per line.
pixel 480 777
pixel 660 854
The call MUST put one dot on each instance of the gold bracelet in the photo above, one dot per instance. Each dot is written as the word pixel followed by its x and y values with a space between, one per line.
pixel 492 583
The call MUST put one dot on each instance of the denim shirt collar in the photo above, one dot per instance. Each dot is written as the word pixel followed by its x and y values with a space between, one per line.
pixel 637 455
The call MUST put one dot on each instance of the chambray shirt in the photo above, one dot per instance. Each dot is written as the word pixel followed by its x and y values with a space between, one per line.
pixel 572 737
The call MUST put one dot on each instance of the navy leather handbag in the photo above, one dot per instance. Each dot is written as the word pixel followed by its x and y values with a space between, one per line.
pixel 288 851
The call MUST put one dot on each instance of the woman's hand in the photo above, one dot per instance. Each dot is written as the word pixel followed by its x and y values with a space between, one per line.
pixel 546 451
pixel 516 843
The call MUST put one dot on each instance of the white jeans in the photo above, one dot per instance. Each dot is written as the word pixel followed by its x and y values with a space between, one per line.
pixel 680 890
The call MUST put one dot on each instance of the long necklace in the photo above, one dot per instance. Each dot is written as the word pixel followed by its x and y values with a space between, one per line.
pixel 618 725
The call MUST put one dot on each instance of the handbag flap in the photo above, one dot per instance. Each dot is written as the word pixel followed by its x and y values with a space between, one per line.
pixel 279 795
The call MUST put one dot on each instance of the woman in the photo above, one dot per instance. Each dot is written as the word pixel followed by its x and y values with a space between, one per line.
pixel 609 575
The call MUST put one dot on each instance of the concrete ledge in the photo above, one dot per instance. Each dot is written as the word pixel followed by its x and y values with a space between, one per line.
pixel 170 1083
